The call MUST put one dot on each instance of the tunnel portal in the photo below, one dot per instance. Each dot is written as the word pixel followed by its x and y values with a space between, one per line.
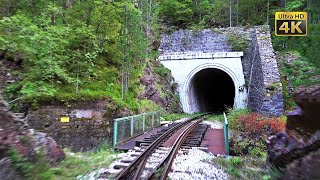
pixel 212 90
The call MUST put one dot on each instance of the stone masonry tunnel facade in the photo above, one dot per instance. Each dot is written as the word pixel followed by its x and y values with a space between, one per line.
pixel 211 77
pixel 208 82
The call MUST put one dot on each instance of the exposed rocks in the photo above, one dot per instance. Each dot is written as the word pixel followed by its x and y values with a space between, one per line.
pixel 301 141
pixel 308 98
pixel 15 135
pixel 7 170
pixel 306 167
pixel 159 88
pixel 284 148
pixel 6 76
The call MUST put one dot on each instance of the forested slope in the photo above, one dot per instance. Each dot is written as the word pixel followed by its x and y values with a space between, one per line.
pixel 71 50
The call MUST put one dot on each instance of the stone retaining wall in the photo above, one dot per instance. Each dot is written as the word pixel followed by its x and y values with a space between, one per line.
pixel 272 99
pixel 89 125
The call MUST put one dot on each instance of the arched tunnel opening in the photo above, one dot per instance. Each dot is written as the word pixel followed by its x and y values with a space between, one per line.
pixel 212 90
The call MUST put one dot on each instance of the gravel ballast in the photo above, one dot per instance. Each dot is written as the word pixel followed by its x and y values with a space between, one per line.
pixel 195 165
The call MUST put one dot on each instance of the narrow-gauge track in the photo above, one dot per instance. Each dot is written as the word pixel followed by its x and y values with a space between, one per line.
pixel 168 160
pixel 137 167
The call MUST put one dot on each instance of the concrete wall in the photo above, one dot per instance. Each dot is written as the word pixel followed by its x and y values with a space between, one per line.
pixel 184 66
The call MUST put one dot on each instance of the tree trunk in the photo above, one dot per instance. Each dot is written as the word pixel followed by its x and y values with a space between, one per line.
pixel 308 6
pixel 68 4
pixel 268 12
pixel 230 13
pixel 122 79
pixel 237 12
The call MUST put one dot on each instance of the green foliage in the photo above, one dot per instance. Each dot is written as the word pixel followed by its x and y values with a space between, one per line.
pixel 162 71
pixel 219 118
pixel 243 167
pixel 38 169
pixel 234 114
pixel 80 163
pixel 148 106
pixel 294 5
pixel 250 132
pixel 73 53
pixel 237 42
pixel 175 12
pixel 300 72
pixel 306 46
pixel 174 117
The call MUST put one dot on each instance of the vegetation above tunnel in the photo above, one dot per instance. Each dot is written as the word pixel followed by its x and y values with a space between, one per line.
pixel 82 50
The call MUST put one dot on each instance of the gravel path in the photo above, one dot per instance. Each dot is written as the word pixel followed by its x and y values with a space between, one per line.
pixel 195 165
pixel 214 124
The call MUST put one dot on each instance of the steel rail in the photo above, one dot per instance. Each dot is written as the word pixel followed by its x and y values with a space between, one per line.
pixel 168 160
pixel 134 170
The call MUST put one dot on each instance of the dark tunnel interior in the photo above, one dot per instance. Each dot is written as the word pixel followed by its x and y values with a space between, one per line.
pixel 214 90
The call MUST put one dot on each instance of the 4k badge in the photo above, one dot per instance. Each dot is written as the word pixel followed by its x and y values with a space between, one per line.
pixel 291 23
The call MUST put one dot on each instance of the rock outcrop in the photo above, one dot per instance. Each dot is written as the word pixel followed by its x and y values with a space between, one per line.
pixel 160 88
pixel 296 150
pixel 14 134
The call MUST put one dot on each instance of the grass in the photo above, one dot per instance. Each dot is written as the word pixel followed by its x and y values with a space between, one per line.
pixel 234 114
pixel 37 170
pixel 174 117
pixel 216 117
pixel 246 168
pixel 80 163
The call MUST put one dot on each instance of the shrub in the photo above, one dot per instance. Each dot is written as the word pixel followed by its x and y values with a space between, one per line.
pixel 258 124
pixel 162 71
pixel 37 169
pixel 250 132
pixel 234 114
pixel 237 42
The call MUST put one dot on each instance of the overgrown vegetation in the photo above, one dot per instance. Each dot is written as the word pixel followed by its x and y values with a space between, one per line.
pixel 250 132
pixel 174 117
pixel 246 168
pixel 37 170
pixel 216 117
pixel 296 72
pixel 73 165
pixel 79 163
pixel 78 51
pixel 237 42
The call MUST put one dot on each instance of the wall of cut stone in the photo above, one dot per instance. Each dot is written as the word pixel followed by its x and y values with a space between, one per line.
pixel 90 123
pixel 256 90
pixel 272 104
pixel 193 41
pixel 260 70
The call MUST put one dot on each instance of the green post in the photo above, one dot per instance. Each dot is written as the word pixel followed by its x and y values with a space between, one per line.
pixel 115 133
pixel 226 135
pixel 131 126
pixel 152 124
pixel 143 122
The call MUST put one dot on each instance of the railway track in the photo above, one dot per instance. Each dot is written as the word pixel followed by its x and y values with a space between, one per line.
pixel 154 157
